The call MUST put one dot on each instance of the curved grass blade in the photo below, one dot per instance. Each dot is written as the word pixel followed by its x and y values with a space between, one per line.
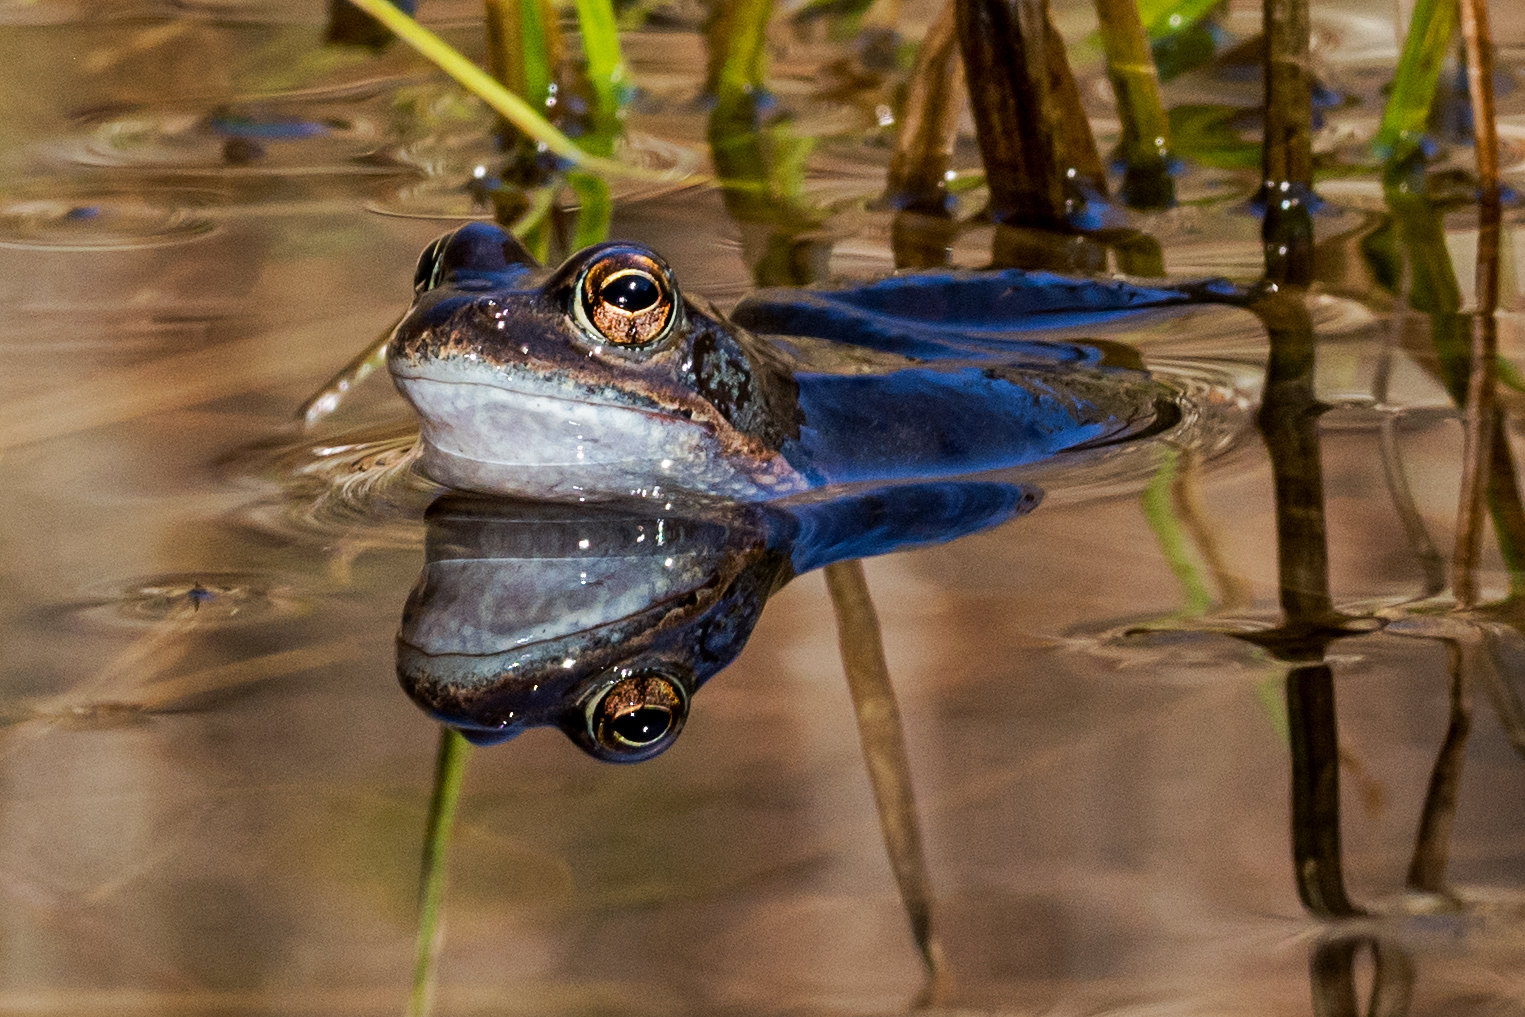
pixel 480 83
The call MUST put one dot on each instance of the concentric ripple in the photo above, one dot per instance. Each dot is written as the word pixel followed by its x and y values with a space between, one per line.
pixel 259 139
pixel 101 222
pixel 451 188
pixel 211 599
pixel 1217 404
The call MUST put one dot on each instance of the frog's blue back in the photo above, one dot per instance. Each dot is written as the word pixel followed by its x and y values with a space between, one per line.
pixel 977 391
pixel 923 423
pixel 937 315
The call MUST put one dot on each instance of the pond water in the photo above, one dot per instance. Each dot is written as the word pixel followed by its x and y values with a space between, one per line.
pixel 213 793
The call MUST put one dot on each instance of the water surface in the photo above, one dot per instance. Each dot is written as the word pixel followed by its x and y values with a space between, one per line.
pixel 212 791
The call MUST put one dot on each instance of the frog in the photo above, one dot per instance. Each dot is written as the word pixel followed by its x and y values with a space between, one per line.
pixel 601 378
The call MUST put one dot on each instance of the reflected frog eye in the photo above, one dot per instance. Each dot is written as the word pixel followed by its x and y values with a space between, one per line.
pixel 625 297
pixel 636 717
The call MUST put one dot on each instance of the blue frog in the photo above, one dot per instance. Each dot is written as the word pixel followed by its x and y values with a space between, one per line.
pixel 601 379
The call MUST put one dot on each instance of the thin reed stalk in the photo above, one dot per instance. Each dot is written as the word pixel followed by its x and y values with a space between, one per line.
pixel 928 122
pixel 449 772
pixel 1144 146
pixel 889 768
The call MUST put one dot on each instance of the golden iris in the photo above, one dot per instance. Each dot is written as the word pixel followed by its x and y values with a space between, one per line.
pixel 626 298
pixel 636 712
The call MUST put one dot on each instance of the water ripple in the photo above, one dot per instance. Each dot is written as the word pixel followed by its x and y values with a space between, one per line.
pixel 87 221
pixel 358 488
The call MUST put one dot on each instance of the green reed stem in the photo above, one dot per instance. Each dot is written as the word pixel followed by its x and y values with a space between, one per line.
pixel 1431 29
pixel 1159 512
pixel 449 772
pixel 1144 147
pixel 601 49
pixel 524 47
pixel 737 35
pixel 595 209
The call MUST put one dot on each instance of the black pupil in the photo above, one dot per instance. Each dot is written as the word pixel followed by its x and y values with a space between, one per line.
pixel 642 726
pixel 631 293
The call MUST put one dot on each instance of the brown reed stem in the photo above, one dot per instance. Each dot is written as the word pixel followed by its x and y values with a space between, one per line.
pixel 883 740
pixel 929 122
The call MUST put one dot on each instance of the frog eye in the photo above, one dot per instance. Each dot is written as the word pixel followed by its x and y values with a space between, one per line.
pixel 636 717
pixel 625 296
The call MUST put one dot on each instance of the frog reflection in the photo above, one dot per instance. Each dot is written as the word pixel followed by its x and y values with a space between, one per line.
pixel 605 619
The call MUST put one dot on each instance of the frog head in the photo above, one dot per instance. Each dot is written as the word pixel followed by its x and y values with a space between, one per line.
pixel 597 378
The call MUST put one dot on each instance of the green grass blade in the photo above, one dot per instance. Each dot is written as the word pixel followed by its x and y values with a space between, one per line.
pixel 1163 18
pixel 1431 30
pixel 595 210
pixel 539 75
pixel 738 52
pixel 1159 512
pixel 449 771
pixel 480 83
pixel 601 49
